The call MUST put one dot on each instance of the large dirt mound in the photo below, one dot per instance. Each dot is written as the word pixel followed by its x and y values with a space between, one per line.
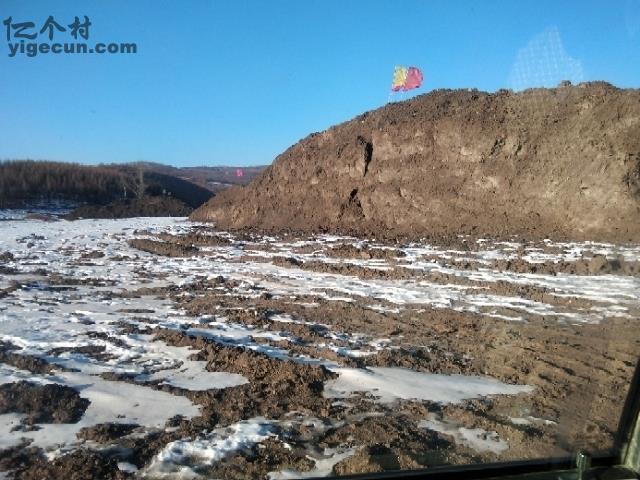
pixel 561 162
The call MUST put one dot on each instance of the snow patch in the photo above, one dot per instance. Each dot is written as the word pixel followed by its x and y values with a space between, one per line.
pixel 176 460
pixel 110 402
pixel 475 438
pixel 391 384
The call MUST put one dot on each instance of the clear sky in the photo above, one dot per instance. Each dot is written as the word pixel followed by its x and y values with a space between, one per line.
pixel 237 82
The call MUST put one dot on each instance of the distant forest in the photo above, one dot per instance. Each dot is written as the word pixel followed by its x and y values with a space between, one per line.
pixel 24 180
pixel 27 180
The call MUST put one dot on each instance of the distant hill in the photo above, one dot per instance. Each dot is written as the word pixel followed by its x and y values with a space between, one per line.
pixel 26 181
pixel 214 179
pixel 559 162
pixel 159 184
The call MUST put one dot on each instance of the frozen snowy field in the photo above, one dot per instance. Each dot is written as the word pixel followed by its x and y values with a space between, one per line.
pixel 226 354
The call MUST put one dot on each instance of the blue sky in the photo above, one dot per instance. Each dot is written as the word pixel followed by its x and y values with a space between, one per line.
pixel 237 82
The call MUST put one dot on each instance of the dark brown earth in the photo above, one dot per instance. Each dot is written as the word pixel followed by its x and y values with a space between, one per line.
pixel 166 249
pixel 23 362
pixel 561 162
pixel 106 432
pixel 94 351
pixel 6 257
pixel 275 387
pixel 30 464
pixel 579 371
pixel 50 403
pixel 597 265
pixel 147 206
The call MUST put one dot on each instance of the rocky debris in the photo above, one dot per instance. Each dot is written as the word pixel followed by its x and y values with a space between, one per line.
pixel 357 270
pixel 596 265
pixel 286 261
pixel 433 359
pixel 49 403
pixel 93 351
pixel 166 249
pixel 347 250
pixel 106 432
pixel 92 254
pixel 275 387
pixel 31 464
pixel 196 238
pixel 380 458
pixel 20 457
pixel 6 257
pixel 7 271
pixel 57 279
pixel 603 265
pixel 459 162
pixel 271 456
pixel 387 447
pixel 30 363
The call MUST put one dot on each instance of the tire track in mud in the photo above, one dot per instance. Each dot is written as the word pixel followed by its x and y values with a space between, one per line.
pixel 555 372
pixel 561 304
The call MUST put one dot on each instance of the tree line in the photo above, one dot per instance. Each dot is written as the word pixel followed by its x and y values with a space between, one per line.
pixel 28 180
pixel 24 180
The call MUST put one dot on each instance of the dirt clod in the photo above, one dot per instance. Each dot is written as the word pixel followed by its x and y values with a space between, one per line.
pixel 50 403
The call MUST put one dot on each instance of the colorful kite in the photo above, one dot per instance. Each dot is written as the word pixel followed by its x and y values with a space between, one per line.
pixel 406 79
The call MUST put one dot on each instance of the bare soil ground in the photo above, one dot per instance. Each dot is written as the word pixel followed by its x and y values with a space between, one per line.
pixel 294 316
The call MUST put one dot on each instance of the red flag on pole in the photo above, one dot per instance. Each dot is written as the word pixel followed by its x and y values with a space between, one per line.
pixel 414 79
pixel 405 79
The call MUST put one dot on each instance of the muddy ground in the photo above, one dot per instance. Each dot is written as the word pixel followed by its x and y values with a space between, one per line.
pixel 558 318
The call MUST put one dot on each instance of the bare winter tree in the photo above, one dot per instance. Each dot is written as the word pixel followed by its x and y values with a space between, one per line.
pixel 140 186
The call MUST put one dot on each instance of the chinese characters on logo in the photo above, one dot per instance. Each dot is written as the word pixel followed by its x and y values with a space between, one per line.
pixel 28 30
pixel 57 36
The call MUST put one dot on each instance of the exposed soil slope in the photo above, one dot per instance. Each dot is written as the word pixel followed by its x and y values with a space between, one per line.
pixel 559 162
